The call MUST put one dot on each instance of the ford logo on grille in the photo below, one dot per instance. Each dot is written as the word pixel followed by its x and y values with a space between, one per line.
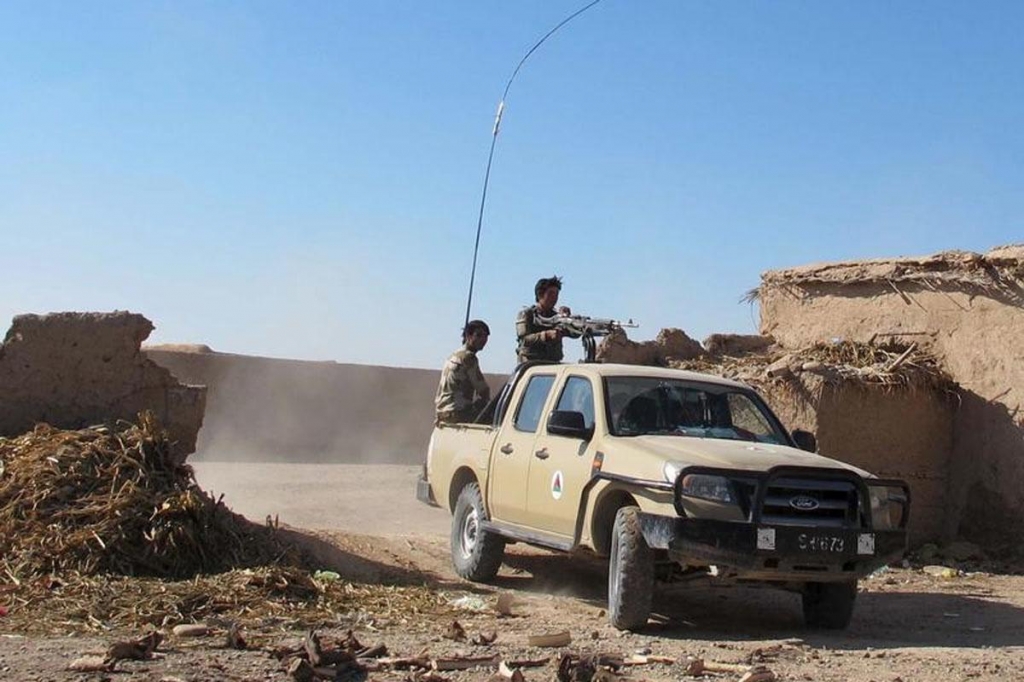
pixel 803 502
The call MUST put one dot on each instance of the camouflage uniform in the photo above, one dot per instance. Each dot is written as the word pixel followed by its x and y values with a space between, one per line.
pixel 532 344
pixel 463 392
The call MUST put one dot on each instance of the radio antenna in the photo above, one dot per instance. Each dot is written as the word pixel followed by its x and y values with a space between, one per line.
pixel 494 140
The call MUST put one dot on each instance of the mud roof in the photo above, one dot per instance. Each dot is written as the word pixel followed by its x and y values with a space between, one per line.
pixel 1000 270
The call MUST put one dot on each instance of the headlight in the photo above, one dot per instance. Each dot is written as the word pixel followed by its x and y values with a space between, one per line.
pixel 888 506
pixel 707 487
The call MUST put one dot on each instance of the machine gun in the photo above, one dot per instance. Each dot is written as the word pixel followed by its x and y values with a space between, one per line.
pixel 585 328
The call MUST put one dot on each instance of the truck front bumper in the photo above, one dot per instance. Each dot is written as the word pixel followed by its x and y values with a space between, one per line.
pixel 775 552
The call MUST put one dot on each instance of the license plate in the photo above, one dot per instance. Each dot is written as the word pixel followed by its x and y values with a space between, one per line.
pixel 821 543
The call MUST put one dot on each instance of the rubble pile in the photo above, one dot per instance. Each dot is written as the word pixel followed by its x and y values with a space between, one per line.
pixel 671 345
pixel 114 499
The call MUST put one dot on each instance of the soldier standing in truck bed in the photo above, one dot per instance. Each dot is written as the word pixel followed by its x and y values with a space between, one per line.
pixel 537 340
pixel 463 393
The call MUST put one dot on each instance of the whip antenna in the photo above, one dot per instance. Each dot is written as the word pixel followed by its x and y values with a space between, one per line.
pixel 494 139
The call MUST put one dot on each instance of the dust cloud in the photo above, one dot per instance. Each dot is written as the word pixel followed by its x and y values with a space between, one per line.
pixel 268 410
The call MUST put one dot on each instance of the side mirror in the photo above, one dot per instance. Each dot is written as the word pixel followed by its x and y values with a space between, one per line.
pixel 568 423
pixel 805 440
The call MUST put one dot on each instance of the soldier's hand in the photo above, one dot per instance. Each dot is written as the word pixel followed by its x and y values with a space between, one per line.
pixel 553 334
pixel 564 310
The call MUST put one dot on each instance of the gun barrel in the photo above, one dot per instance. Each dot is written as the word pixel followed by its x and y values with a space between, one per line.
pixel 584 322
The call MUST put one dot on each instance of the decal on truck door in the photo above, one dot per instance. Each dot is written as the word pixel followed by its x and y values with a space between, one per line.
pixel 556 485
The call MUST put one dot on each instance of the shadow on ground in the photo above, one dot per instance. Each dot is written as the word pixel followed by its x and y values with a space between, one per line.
pixel 882 620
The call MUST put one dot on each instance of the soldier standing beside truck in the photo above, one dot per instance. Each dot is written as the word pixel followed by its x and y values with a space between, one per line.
pixel 538 339
pixel 462 392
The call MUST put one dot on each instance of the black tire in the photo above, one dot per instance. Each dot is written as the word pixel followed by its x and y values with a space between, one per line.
pixel 476 553
pixel 829 606
pixel 630 573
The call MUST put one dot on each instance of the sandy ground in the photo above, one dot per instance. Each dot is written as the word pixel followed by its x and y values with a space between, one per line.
pixel 369 499
pixel 908 625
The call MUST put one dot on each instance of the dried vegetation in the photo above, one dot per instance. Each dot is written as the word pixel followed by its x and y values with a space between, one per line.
pixel 99 527
pixel 112 500
pixel 887 365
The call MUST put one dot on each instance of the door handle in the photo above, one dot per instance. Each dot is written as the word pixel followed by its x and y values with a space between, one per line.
pixel 541 454
pixel 506 448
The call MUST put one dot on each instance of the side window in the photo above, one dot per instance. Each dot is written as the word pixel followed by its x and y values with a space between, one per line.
pixel 528 416
pixel 578 396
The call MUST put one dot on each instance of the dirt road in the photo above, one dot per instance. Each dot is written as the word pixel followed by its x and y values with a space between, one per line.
pixel 909 625
pixel 370 499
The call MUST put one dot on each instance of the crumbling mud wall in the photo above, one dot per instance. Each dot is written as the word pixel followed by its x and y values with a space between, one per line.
pixel 671 345
pixel 73 370
pixel 896 431
pixel 965 307
pixel 266 409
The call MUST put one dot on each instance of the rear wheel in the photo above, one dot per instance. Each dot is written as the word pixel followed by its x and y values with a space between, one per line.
pixel 476 553
pixel 630 572
pixel 829 605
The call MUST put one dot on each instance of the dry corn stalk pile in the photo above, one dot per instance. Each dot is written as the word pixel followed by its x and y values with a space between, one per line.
pixel 263 597
pixel 111 500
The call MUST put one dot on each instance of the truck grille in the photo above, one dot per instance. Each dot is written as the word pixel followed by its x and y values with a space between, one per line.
pixel 808 501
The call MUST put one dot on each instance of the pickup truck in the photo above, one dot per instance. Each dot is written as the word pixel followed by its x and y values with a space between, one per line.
pixel 672 475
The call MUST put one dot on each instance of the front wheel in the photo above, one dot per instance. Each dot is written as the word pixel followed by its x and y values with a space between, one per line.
pixel 476 553
pixel 829 606
pixel 630 572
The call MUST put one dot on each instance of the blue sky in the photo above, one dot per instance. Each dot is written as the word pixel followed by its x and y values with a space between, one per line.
pixel 302 179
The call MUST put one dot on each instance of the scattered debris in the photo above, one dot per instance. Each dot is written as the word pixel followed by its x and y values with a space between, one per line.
pixel 465 662
pixel 234 638
pixel 470 602
pixel 503 604
pixel 312 659
pixel 758 674
pixel 698 666
pixel 588 668
pixel 647 659
pixel 550 639
pixel 455 632
pixel 91 664
pixel 190 630
pixel 140 649
pixel 321 575
pixel 485 638
pixel 507 673
pixel 941 571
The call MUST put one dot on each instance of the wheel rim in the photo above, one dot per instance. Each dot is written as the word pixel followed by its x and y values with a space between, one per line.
pixel 613 570
pixel 470 528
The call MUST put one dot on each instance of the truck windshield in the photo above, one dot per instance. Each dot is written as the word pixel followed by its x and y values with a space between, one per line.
pixel 647 405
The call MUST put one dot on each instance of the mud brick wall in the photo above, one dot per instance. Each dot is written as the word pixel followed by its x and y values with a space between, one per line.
pixel 72 370
pixel 893 432
pixel 969 310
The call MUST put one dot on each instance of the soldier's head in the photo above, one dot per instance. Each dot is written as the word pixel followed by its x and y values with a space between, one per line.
pixel 546 291
pixel 475 334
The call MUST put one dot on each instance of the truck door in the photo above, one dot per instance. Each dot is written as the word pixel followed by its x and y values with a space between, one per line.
pixel 560 465
pixel 510 461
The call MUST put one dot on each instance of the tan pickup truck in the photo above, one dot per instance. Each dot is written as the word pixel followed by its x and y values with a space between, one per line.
pixel 672 475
